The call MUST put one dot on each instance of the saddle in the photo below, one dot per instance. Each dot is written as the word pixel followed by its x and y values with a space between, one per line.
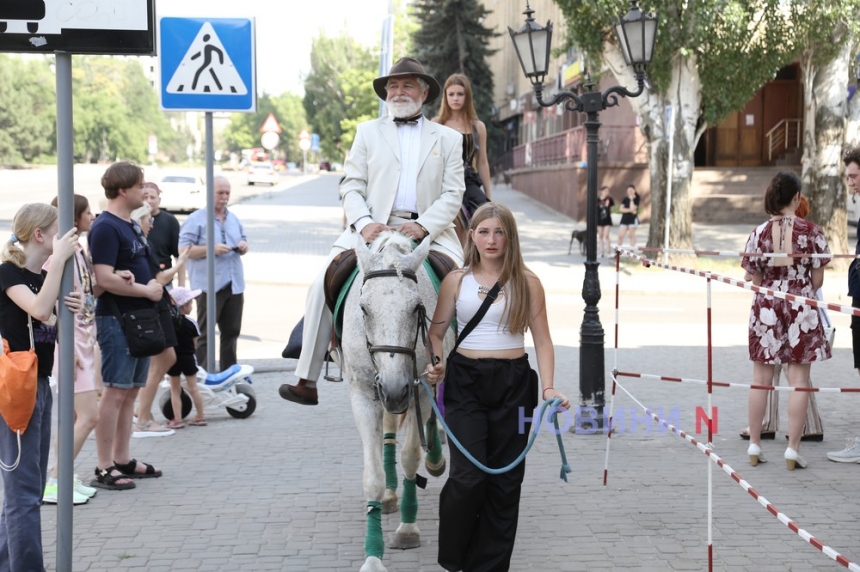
pixel 343 268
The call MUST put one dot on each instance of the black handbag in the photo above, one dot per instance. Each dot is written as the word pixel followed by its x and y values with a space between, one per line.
pixel 142 330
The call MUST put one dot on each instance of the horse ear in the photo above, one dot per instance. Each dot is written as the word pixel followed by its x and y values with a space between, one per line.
pixel 414 260
pixel 362 252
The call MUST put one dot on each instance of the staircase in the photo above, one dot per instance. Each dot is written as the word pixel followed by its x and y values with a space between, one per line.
pixel 732 195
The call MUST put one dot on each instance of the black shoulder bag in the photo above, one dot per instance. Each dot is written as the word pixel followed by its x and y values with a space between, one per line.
pixel 142 330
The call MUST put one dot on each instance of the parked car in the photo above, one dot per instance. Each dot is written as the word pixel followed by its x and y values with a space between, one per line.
pixel 182 193
pixel 292 167
pixel 336 167
pixel 262 173
pixel 325 166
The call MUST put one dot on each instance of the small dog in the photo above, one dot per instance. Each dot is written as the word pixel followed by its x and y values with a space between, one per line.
pixel 580 236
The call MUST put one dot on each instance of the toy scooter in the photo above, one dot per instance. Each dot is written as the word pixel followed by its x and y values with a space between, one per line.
pixel 230 389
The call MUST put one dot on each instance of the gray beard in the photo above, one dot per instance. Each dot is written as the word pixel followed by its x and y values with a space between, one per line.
pixel 403 110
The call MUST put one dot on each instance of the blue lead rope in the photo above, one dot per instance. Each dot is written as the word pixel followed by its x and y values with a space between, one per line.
pixel 554 403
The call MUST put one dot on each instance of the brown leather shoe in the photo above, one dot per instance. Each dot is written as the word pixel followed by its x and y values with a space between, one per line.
pixel 299 393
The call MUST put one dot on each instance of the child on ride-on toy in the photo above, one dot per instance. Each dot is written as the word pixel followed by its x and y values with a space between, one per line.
pixel 187 333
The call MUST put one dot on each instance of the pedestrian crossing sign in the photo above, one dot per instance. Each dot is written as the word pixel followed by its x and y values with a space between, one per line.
pixel 207 64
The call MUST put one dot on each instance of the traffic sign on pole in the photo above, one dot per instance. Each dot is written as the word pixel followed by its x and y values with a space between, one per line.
pixel 207 64
pixel 270 125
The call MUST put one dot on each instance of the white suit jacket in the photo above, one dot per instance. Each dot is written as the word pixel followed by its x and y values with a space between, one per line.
pixel 372 172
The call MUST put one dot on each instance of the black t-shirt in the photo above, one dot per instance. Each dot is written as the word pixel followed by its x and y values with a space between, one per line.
pixel 164 239
pixel 630 218
pixel 13 320
pixel 186 332
pixel 114 243
pixel 604 211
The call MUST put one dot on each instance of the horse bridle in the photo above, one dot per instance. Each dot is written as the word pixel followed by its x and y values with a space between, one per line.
pixel 421 331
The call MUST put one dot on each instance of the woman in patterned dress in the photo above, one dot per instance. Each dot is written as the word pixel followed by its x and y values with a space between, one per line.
pixel 783 332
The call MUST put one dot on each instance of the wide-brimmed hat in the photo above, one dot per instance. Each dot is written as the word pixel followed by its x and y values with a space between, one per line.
pixel 405 67
pixel 182 295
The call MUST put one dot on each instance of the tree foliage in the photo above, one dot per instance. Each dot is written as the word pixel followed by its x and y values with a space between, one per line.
pixel 115 110
pixel 27 109
pixel 338 91
pixel 453 39
pixel 738 45
pixel 244 129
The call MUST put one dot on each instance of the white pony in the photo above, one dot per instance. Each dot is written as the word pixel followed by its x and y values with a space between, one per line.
pixel 384 329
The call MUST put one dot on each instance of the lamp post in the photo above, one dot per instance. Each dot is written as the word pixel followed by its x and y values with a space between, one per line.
pixel 636 33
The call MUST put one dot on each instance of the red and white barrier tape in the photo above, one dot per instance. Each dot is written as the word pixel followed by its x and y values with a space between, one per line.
pixel 742 385
pixel 782 517
pixel 745 285
pixel 736 254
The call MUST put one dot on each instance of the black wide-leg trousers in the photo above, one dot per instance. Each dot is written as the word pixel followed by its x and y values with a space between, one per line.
pixel 486 404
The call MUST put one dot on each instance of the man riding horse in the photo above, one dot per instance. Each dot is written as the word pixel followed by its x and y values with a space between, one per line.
pixel 403 173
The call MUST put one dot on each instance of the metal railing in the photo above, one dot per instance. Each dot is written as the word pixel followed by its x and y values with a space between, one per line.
pixel 785 135
pixel 617 143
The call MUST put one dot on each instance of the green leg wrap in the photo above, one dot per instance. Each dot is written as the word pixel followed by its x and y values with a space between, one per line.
pixel 389 460
pixel 435 453
pixel 373 544
pixel 409 502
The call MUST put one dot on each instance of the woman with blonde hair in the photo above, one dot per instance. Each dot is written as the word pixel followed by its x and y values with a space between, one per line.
pixel 457 111
pixel 146 426
pixel 488 385
pixel 28 300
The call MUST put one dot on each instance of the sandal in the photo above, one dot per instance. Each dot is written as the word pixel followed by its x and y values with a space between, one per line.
pixel 745 434
pixel 198 422
pixel 128 469
pixel 105 480
pixel 174 424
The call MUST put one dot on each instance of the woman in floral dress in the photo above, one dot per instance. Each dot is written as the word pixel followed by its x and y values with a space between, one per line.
pixel 783 332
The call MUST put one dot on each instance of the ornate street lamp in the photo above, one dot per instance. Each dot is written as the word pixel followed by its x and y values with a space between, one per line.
pixel 636 33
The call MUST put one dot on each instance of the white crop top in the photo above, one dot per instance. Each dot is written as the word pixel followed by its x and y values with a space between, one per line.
pixel 487 335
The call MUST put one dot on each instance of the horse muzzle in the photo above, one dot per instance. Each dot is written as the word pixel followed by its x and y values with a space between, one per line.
pixel 395 401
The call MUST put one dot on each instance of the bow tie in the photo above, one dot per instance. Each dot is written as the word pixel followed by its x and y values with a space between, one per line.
pixel 407 120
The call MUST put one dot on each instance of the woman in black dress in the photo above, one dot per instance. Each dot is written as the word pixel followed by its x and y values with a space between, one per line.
pixel 604 221
pixel 629 216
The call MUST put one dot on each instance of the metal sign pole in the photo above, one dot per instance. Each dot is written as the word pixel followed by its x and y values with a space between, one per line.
pixel 210 246
pixel 66 366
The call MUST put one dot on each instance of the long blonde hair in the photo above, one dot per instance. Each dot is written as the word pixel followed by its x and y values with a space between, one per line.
pixel 513 276
pixel 468 104
pixel 30 217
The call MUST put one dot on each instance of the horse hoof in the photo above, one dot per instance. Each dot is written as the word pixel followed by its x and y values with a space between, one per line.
pixel 436 470
pixel 373 564
pixel 404 541
pixel 389 503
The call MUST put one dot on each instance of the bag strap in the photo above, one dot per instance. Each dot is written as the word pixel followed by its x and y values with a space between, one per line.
pixel 479 315
pixel 114 307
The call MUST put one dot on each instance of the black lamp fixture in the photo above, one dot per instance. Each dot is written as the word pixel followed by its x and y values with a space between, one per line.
pixel 637 34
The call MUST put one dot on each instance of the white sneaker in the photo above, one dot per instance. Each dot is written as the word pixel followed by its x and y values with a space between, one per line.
pixel 50 496
pixel 850 454
pixel 83 489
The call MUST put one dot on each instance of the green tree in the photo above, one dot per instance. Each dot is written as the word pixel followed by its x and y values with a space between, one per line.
pixel 244 129
pixel 27 109
pixel 453 39
pixel 711 57
pixel 115 109
pixel 333 92
pixel 826 33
